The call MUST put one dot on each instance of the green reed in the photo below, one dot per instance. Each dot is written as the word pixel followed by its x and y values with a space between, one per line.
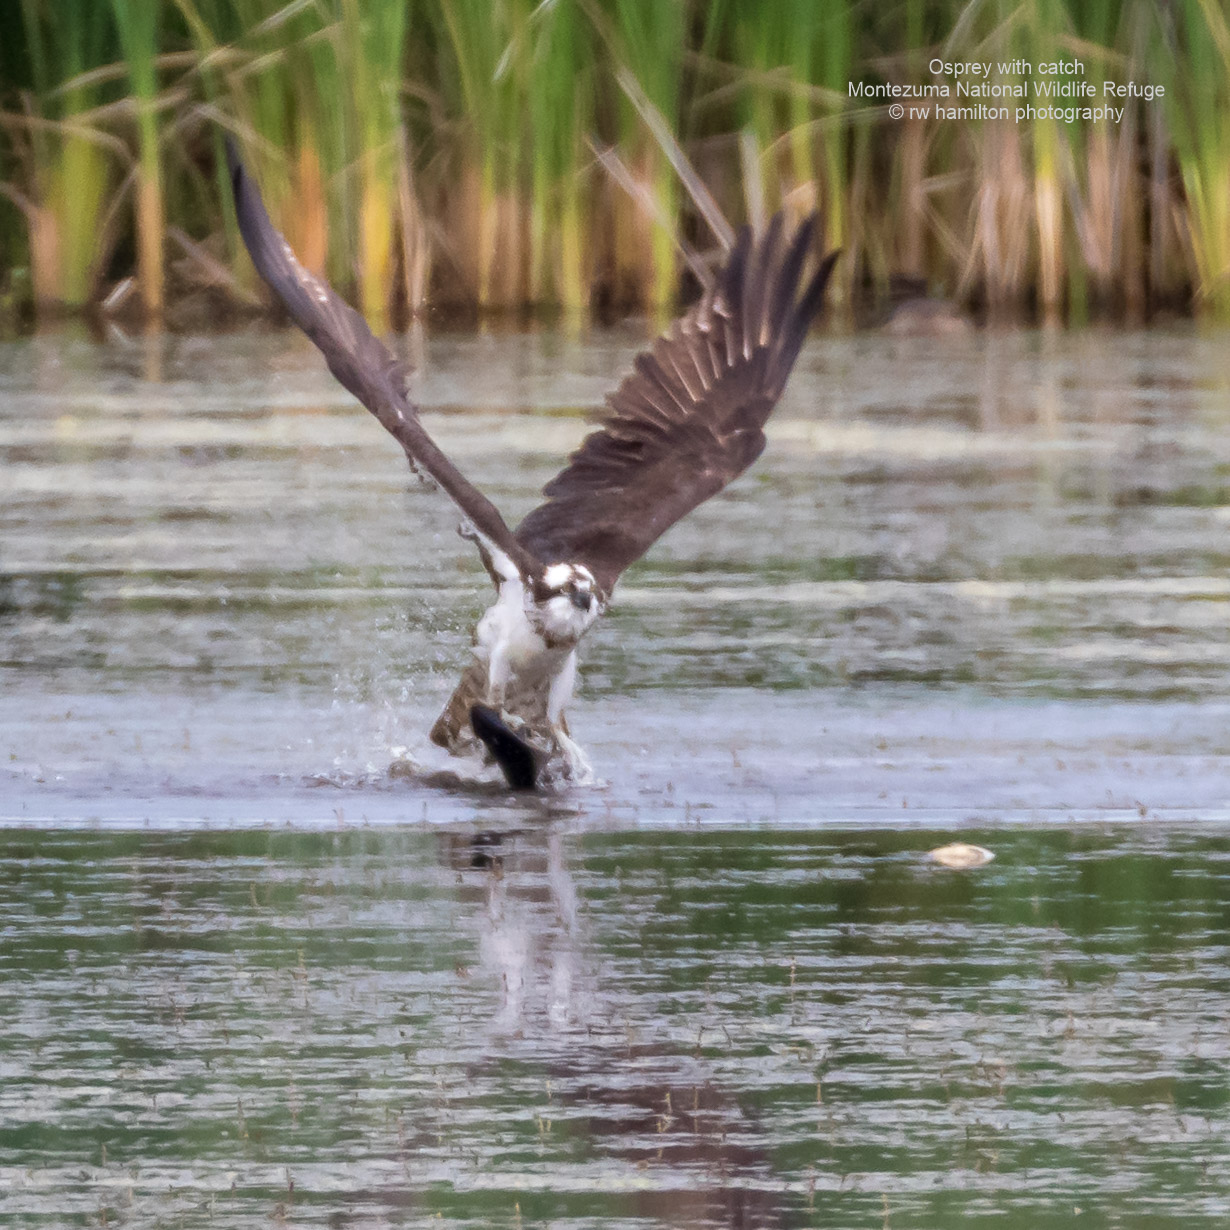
pixel 61 143
pixel 648 42
pixel 559 47
pixel 479 86
pixel 137 24
pixel 1198 73
pixel 372 38
pixel 386 132
pixel 266 66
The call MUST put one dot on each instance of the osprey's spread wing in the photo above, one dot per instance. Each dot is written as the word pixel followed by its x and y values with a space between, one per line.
pixel 687 421
pixel 690 417
pixel 362 364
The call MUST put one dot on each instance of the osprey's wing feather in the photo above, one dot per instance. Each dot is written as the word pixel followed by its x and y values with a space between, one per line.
pixel 690 417
pixel 362 363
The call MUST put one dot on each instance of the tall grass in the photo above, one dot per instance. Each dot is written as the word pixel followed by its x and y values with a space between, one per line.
pixel 559 114
pixel 796 61
pixel 1200 121
pixel 648 44
pixel 370 50
pixel 478 36
pixel 56 134
pixel 1047 27
pixel 268 66
pixel 440 150
pixel 137 23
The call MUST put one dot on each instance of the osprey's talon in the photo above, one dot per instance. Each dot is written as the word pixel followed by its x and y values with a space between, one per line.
pixel 579 770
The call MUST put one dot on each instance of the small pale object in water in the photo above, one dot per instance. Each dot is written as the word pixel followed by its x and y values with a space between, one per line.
pixel 960 854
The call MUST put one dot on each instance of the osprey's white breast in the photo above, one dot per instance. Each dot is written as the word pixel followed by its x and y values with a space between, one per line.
pixel 531 640
pixel 506 634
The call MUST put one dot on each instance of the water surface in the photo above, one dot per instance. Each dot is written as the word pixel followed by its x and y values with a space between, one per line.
pixel 218 583
pixel 678 1028
pixel 256 968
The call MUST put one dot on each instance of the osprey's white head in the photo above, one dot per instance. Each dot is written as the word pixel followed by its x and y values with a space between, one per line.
pixel 567 601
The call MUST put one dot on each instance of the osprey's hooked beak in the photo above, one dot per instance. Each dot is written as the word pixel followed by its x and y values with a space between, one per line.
pixel 582 599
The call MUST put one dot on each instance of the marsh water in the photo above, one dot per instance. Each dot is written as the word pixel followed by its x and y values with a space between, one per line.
pixel 268 956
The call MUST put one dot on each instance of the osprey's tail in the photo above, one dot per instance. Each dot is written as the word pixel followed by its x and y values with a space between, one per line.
pixel 453 729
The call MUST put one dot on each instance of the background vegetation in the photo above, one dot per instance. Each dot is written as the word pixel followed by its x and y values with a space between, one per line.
pixel 498 153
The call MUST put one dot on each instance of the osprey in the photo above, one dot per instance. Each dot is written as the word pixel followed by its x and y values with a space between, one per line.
pixel 687 421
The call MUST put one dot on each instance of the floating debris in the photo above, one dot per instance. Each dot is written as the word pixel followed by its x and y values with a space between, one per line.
pixel 960 854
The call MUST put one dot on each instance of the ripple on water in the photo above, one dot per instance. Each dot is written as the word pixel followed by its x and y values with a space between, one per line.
pixel 248 970
pixel 716 1028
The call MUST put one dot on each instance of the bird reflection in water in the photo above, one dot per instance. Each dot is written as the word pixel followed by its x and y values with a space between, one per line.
pixel 623 1100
